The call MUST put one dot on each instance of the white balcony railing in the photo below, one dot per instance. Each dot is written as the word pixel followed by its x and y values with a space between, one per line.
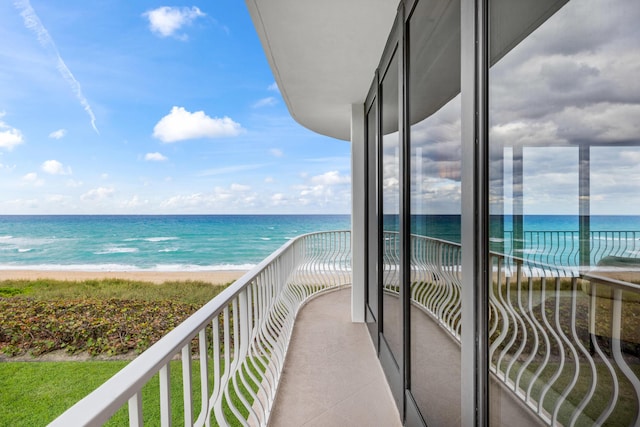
pixel 566 346
pixel 239 341
pixel 564 343
pixel 563 248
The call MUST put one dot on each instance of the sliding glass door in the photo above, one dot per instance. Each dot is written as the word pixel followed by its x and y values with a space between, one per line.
pixel 433 31
pixel 564 141
pixel 503 212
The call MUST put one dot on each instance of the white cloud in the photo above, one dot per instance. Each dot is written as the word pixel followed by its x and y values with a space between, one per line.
pixel 633 157
pixel 199 200
pixel 58 134
pixel 21 204
pixel 276 152
pixel 181 124
pixel 331 194
pixel 54 167
pixel 99 193
pixel 182 201
pixel 155 157
pixel 265 102
pixel 273 87
pixel 328 189
pixel 104 176
pixel 165 21
pixel 235 198
pixel 57 198
pixel 9 136
pixel 240 188
pixel 603 122
pixel 32 178
pixel 134 202
pixel 33 23
pixel 526 133
pixel 330 178
pixel 279 199
pixel 73 183
pixel 7 167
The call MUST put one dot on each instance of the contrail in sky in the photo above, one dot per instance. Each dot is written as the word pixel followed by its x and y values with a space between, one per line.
pixel 33 23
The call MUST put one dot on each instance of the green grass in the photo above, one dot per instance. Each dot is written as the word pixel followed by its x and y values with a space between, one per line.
pixel 27 400
pixel 35 393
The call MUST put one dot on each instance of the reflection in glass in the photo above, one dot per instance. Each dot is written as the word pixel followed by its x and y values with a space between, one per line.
pixel 392 316
pixel 372 225
pixel 564 112
pixel 435 149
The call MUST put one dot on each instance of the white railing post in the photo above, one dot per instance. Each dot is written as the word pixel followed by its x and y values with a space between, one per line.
pixel 187 386
pixel 135 410
pixel 204 378
pixel 165 396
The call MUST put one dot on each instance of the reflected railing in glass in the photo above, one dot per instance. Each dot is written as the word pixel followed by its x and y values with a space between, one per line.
pixel 562 248
pixel 565 344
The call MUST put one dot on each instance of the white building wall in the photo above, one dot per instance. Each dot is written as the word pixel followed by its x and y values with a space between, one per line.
pixel 358 249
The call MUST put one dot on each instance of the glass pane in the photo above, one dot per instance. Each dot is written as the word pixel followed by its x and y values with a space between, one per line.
pixel 565 205
pixel 435 147
pixel 390 243
pixel 372 224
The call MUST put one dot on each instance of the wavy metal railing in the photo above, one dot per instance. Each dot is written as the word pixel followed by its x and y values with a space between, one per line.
pixel 391 262
pixel 568 347
pixel 240 339
pixel 436 280
pixel 562 248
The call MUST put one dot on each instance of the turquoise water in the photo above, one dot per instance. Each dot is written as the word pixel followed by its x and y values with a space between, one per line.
pixel 151 242
pixel 555 239
pixel 238 242
pixel 546 239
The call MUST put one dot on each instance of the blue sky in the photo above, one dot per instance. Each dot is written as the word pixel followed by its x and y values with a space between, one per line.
pixel 146 107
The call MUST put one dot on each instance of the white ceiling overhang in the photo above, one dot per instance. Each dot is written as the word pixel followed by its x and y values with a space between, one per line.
pixel 323 54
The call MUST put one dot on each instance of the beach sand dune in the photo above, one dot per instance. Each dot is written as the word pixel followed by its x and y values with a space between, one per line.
pixel 213 277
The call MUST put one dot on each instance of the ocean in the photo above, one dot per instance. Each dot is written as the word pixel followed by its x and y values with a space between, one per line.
pixel 239 242
pixel 546 239
pixel 151 242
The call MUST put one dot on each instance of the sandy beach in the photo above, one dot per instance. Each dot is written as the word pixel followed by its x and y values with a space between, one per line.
pixel 213 277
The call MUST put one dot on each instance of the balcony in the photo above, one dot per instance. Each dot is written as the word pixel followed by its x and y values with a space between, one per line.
pixel 238 342
pixel 563 347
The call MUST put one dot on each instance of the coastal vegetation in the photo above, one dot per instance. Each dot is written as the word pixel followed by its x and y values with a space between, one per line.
pixel 100 317
pixel 188 291
pixel 93 320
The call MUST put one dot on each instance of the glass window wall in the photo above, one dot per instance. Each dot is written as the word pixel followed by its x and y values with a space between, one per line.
pixel 372 223
pixel 564 212
pixel 564 109
pixel 435 148
pixel 390 242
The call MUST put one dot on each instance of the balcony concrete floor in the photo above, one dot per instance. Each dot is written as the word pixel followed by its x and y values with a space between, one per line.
pixel 332 376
